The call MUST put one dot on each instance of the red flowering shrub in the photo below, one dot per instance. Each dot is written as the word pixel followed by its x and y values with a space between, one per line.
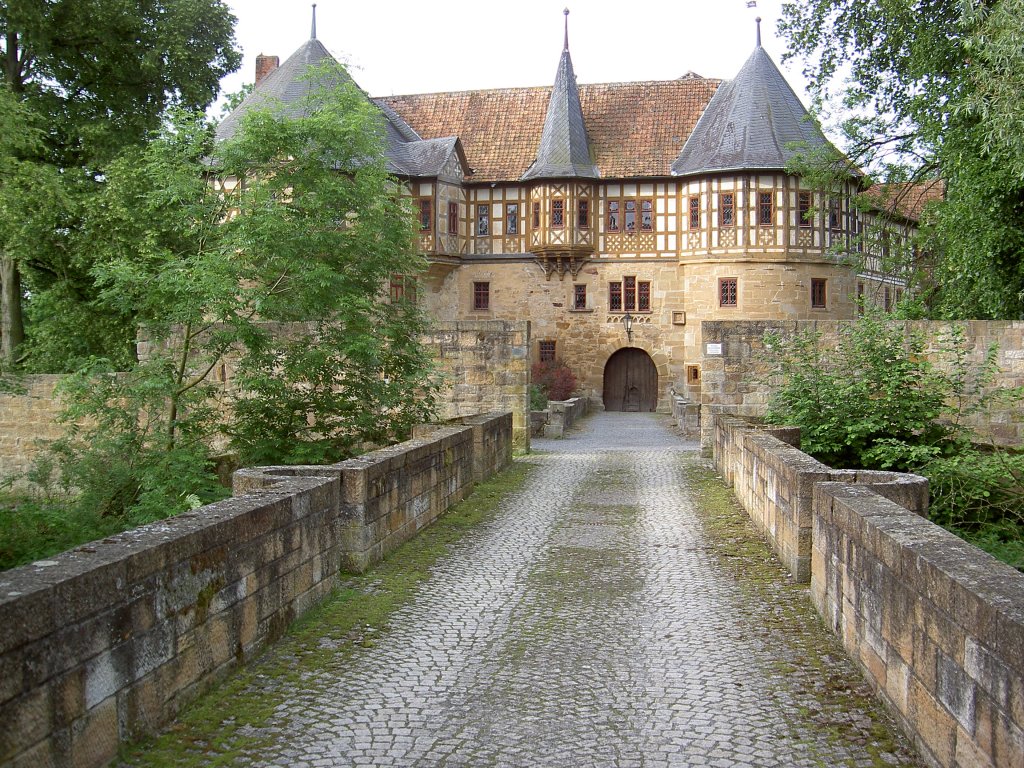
pixel 555 378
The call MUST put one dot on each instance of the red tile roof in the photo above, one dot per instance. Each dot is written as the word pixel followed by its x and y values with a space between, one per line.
pixel 635 129
pixel 907 198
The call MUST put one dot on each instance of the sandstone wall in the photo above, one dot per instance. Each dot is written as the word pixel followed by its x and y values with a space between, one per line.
pixel 108 641
pixel 936 624
pixel 28 419
pixel 486 367
pixel 736 376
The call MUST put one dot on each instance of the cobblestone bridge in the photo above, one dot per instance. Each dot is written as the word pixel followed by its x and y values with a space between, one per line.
pixel 593 622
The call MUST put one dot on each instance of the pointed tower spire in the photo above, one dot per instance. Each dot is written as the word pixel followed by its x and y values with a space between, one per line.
pixel 758 20
pixel 312 34
pixel 564 150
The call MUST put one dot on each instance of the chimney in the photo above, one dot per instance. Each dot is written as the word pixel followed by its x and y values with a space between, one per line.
pixel 265 65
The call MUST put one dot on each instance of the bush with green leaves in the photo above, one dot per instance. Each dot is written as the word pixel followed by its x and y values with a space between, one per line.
pixel 874 399
pixel 278 275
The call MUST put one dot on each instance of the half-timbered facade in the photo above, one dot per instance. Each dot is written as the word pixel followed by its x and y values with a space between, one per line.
pixel 577 205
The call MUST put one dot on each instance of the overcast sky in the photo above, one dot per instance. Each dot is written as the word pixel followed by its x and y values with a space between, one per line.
pixel 397 47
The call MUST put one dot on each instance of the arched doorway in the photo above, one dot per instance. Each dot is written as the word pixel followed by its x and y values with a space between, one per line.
pixel 630 381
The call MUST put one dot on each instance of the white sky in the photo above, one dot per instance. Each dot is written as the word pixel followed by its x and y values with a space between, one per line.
pixel 397 47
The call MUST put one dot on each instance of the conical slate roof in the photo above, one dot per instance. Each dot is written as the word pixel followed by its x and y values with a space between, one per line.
pixel 748 124
pixel 564 150
pixel 287 88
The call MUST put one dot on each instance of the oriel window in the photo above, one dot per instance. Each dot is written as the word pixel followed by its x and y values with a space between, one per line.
pixel 803 208
pixel 695 212
pixel 426 215
pixel 536 215
pixel 453 218
pixel 583 214
pixel 557 214
pixel 726 212
pixel 765 209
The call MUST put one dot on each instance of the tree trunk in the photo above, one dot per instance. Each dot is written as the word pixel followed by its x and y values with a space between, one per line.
pixel 12 329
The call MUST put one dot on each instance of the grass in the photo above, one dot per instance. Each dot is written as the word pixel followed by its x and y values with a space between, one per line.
pixel 235 719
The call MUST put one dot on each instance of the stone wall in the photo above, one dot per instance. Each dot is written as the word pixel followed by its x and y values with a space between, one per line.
pixel 562 414
pixel 735 375
pixel 936 624
pixel 28 419
pixel 486 367
pixel 774 481
pixel 108 641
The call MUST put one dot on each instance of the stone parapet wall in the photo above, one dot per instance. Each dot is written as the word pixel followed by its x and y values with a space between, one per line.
pixel 562 414
pixel 108 641
pixel 736 377
pixel 28 419
pixel 936 624
pixel 775 482
pixel 486 367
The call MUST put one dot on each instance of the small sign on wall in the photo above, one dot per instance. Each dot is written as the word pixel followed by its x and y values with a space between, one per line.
pixel 712 349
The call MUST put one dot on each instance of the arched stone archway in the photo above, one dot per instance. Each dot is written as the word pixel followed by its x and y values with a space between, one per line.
pixel 630 381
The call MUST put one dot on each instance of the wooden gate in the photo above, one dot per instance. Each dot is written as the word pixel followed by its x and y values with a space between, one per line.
pixel 630 381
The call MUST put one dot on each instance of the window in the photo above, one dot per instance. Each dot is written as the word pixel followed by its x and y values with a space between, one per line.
pixel 833 215
pixel 803 208
pixel 583 214
pixel 615 297
pixel 765 209
pixel 557 214
pixel 613 215
pixel 453 218
pixel 426 215
pixel 579 297
pixel 629 295
pixel 512 219
pixel 860 298
pixel 481 295
pixel 402 287
pixel 629 208
pixel 726 210
pixel 547 351
pixel 646 215
pixel 818 293
pixel 693 374
pixel 695 212
pixel 727 292
pixel 483 219
pixel 888 299
pixel 643 296
pixel 536 215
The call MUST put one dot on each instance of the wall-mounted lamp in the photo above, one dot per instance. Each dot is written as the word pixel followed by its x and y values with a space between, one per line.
pixel 627 321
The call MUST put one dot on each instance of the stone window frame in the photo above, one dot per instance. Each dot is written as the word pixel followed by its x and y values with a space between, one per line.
pixel 819 293
pixel 546 350
pixel 728 292
pixel 481 295
pixel 579 297
pixel 632 296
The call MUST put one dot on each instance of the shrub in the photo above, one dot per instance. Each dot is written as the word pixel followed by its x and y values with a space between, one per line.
pixel 555 379
pixel 538 400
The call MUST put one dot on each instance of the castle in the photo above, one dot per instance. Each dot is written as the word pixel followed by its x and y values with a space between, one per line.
pixel 616 217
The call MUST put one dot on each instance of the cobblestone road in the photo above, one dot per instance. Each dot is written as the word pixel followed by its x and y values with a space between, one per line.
pixel 587 624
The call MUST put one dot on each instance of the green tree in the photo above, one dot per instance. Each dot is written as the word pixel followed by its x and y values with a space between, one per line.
pixel 272 260
pixel 927 90
pixel 92 76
